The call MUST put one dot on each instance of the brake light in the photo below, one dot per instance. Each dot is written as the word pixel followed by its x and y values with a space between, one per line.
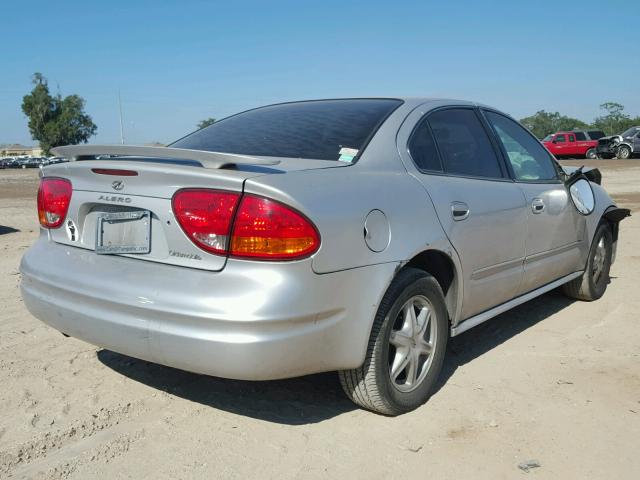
pixel 252 227
pixel 269 230
pixel 115 171
pixel 205 216
pixel 54 196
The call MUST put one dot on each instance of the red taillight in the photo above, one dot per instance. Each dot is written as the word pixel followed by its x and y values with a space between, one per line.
pixel 260 228
pixel 205 216
pixel 54 196
pixel 269 230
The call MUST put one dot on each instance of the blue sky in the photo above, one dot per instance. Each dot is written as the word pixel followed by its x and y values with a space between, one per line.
pixel 176 63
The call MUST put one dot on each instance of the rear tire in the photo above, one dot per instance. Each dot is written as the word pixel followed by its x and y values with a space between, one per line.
pixel 406 347
pixel 591 154
pixel 593 282
pixel 623 152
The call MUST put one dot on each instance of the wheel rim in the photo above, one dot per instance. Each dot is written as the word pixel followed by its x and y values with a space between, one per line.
pixel 623 153
pixel 591 154
pixel 412 343
pixel 599 258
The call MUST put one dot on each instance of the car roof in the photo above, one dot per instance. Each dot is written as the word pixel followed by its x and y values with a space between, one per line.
pixel 408 101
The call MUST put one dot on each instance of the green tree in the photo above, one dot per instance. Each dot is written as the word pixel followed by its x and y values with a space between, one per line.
pixel 206 122
pixel 615 121
pixel 54 120
pixel 543 123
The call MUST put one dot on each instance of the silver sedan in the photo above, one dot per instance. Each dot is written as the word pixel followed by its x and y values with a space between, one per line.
pixel 352 235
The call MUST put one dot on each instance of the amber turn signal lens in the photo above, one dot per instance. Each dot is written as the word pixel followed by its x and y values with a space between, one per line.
pixel 269 230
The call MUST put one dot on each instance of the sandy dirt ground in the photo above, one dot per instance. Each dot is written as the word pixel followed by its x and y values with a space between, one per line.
pixel 554 381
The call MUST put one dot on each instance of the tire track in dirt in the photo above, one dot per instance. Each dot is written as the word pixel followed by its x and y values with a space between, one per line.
pixel 43 445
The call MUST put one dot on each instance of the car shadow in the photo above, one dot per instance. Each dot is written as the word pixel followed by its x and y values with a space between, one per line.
pixel 477 341
pixel 315 398
pixel 4 230
pixel 296 401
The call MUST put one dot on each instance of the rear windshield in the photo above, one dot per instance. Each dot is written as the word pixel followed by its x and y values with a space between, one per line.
pixel 322 129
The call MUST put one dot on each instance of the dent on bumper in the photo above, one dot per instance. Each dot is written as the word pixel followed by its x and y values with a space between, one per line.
pixel 252 321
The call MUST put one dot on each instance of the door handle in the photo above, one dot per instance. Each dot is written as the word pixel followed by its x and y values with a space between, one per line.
pixel 459 211
pixel 537 205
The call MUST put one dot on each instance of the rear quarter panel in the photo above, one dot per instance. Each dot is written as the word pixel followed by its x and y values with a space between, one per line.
pixel 338 202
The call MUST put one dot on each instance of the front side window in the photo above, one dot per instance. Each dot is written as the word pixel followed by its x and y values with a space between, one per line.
pixel 560 139
pixel 312 130
pixel 529 160
pixel 463 143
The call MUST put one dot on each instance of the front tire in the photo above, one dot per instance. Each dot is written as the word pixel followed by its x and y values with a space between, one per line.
pixel 593 282
pixel 406 347
pixel 623 152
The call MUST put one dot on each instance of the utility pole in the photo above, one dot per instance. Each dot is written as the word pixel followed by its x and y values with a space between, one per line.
pixel 121 125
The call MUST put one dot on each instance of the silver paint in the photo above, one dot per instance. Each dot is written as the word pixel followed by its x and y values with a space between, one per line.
pixel 183 307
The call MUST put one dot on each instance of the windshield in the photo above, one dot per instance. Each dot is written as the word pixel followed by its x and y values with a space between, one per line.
pixel 322 129
pixel 547 138
pixel 630 132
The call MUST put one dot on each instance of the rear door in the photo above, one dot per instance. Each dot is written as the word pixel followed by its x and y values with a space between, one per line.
pixel 481 210
pixel 572 145
pixel 583 143
pixel 555 237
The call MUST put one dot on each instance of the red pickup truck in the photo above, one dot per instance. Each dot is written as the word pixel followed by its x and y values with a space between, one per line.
pixel 566 144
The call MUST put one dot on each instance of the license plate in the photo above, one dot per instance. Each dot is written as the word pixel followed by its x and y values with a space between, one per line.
pixel 124 232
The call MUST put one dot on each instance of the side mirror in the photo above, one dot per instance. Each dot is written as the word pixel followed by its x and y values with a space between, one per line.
pixel 554 140
pixel 582 195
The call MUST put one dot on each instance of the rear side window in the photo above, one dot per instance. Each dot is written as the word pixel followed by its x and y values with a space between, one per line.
pixel 314 130
pixel 463 144
pixel 572 138
pixel 422 148
pixel 580 136
pixel 529 159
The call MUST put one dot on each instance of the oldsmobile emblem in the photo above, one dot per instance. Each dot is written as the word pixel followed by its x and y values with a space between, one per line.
pixel 117 185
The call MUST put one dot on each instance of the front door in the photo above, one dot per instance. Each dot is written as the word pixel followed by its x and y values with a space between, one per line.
pixel 556 233
pixel 481 210
pixel 561 145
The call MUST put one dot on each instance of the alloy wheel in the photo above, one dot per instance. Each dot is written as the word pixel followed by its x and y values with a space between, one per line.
pixel 412 343
pixel 599 258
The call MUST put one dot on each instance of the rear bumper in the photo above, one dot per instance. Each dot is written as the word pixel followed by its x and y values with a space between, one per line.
pixel 252 321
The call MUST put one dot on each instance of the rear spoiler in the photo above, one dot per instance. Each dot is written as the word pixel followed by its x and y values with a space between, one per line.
pixel 206 159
